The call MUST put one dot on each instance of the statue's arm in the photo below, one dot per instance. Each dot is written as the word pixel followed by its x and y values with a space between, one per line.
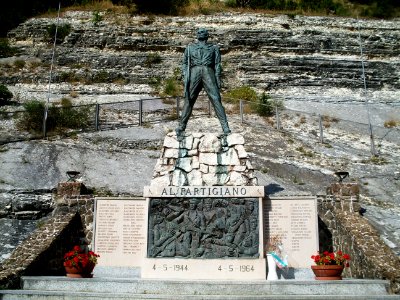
pixel 218 68
pixel 185 62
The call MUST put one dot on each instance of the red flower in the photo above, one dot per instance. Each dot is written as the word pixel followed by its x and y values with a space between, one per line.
pixel 331 258
pixel 79 258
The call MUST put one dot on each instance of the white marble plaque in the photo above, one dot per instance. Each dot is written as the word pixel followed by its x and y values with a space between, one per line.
pixel 120 231
pixel 202 269
pixel 204 191
pixel 295 220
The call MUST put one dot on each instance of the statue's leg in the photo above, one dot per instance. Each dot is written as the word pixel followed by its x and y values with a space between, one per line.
pixel 194 90
pixel 212 90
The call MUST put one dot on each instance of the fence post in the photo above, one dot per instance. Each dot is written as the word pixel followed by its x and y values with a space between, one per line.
pixel 177 107
pixel 140 112
pixel 97 117
pixel 321 130
pixel 278 122
pixel 45 122
pixel 241 110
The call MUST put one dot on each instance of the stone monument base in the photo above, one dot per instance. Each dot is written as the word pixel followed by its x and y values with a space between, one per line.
pixel 203 269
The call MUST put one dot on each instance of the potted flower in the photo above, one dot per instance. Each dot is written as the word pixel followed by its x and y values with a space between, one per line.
pixel 330 265
pixel 79 263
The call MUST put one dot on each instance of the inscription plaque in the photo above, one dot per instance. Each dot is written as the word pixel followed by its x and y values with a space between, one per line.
pixel 294 219
pixel 120 231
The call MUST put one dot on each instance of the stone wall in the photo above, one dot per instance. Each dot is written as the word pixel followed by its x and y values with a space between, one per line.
pixel 203 159
pixel 353 234
pixel 42 253
pixel 71 223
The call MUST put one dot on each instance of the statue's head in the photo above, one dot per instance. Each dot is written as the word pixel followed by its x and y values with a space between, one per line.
pixel 202 34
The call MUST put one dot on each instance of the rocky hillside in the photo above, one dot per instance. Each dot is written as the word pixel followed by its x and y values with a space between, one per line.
pixel 280 54
pixel 313 63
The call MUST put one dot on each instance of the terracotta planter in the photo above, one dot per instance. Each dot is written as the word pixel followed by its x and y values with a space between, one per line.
pixel 329 272
pixel 77 272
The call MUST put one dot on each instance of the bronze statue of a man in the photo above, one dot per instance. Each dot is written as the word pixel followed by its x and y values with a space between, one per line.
pixel 201 68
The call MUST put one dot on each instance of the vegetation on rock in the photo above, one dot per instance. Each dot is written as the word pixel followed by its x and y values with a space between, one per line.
pixel 5 95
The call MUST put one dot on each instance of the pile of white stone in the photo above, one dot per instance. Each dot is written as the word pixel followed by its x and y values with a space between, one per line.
pixel 203 159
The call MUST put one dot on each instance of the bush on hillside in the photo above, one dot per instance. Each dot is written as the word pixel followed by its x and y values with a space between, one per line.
pixel 5 49
pixel 241 93
pixel 62 31
pixel 266 106
pixel 58 118
pixel 5 95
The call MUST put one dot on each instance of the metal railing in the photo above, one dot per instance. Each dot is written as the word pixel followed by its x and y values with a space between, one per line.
pixel 113 115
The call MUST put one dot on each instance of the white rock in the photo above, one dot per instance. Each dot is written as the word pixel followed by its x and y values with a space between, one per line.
pixel 239 168
pixel 196 142
pixel 171 142
pixel 184 163
pixel 229 157
pixel 187 142
pixel 235 139
pixel 195 178
pixel 195 162
pixel 171 153
pixel 241 151
pixel 210 143
pixel 208 159
pixel 215 179
pixel 193 152
pixel 203 168
pixel 235 178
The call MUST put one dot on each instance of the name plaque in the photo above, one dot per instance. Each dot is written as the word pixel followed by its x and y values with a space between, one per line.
pixel 120 231
pixel 294 220
pixel 204 191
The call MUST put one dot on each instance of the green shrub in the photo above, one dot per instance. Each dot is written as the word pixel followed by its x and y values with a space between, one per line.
pixel 152 58
pixel 101 77
pixel 62 31
pixel 241 93
pixel 171 87
pixel 5 49
pixel 266 106
pixel 32 118
pixel 19 63
pixel 96 18
pixel 5 95
pixel 58 118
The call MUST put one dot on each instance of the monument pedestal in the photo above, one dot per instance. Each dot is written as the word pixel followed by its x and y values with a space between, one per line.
pixel 204 217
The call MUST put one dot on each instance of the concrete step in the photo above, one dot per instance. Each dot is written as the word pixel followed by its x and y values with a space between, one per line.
pixel 136 288
pixel 58 295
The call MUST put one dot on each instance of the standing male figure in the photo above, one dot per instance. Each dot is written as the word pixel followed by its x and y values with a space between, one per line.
pixel 202 68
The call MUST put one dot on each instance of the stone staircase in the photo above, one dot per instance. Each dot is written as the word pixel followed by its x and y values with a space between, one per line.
pixel 136 288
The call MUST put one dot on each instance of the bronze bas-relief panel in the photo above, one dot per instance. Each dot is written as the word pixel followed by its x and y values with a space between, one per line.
pixel 203 227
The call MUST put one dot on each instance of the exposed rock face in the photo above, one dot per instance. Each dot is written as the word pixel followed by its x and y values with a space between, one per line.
pixel 274 53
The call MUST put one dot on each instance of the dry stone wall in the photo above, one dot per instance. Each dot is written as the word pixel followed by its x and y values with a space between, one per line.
pixel 71 223
pixel 353 234
pixel 203 159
